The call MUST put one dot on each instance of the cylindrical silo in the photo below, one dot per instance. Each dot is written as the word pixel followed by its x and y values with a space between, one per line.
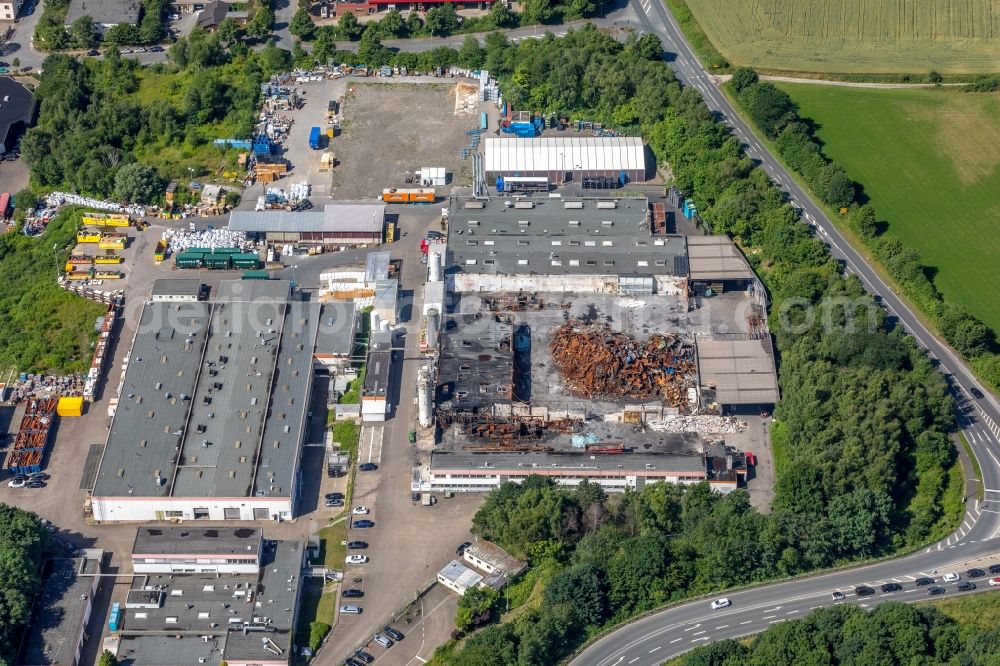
pixel 434 266
pixel 425 395
pixel 433 327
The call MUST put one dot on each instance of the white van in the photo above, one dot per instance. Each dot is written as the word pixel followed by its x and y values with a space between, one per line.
pixel 348 609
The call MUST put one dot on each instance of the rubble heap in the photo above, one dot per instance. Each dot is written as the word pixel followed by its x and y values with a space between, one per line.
pixel 596 361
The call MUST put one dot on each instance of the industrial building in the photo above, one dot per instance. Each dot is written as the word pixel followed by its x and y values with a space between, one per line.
pixel 214 616
pixel 9 9
pixel 577 335
pixel 378 373
pixel 17 109
pixel 212 408
pixel 57 631
pixel 337 224
pixel 105 13
pixel 192 549
pixel 567 159
pixel 177 290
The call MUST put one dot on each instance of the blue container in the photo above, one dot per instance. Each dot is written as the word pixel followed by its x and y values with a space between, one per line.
pixel 314 138
pixel 484 122
pixel 499 185
pixel 114 617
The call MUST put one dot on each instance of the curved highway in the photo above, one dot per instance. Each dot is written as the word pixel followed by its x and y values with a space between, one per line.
pixel 668 633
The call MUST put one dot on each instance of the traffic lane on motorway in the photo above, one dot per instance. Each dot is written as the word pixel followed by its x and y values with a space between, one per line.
pixel 652 648
pixel 651 641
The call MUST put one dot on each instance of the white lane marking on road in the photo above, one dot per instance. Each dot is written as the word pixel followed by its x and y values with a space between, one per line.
pixel 703 638
pixel 791 612
pixel 721 626
pixel 699 633
pixel 632 661
pixel 965 524
pixel 773 609
pixel 768 617
pixel 675 640
pixel 422 660
pixel 694 627
pixel 747 622
pixel 776 621
pixel 910 577
pixel 655 649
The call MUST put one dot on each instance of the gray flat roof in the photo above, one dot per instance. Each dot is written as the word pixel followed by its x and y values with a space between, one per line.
pixel 564 463
pixel 377 265
pixel 224 380
pixel 476 361
pixel 176 287
pixel 742 371
pixel 552 239
pixel 61 608
pixel 716 258
pixel 336 328
pixel 107 12
pixel 196 540
pixel 192 603
pixel 379 364
pixel 335 217
pixel 460 574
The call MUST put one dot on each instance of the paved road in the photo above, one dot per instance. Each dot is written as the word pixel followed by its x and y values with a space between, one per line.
pixel 676 630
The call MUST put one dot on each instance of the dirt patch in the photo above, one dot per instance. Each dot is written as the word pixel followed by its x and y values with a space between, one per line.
pixel 966 135
pixel 389 130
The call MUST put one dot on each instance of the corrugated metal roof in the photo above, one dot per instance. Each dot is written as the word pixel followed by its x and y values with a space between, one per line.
pixel 742 371
pixel 716 258
pixel 564 154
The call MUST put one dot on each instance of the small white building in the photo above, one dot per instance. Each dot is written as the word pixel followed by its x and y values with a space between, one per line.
pixel 196 549
pixel 458 578
pixel 432 176
pixel 493 559
pixel 176 290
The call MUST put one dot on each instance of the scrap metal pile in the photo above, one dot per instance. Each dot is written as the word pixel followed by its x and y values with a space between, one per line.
pixel 599 362
pixel 507 433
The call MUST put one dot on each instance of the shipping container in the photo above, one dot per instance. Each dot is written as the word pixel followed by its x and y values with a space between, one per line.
pixel 421 196
pixel 484 122
pixel 160 253
pixel 79 275
pixel 218 261
pixel 246 260
pixel 88 236
pixel 189 259
pixel 395 196
pixel 109 259
pixel 256 275
pixel 108 275
pixel 114 617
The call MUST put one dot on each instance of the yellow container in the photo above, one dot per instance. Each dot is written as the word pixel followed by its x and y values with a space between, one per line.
pixel 88 236
pixel 108 275
pixel 70 406
pixel 103 220
pixel 113 243
pixel 109 259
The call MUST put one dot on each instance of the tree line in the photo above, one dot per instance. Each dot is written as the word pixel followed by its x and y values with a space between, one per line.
pixel 846 635
pixel 21 543
pixel 776 114
pixel 861 434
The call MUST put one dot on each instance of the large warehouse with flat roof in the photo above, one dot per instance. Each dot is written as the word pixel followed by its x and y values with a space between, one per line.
pixel 336 224
pixel 212 409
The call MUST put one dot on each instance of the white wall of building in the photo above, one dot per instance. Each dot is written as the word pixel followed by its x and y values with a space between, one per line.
pixel 9 10
pixel 485 483
pixel 373 409
pixel 581 284
pixel 200 565
pixel 119 509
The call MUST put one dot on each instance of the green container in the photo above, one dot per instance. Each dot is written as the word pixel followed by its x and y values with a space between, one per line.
pixel 217 250
pixel 256 275
pixel 218 262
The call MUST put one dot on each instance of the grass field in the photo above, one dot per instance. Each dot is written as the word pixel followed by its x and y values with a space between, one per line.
pixel 929 161
pixel 848 36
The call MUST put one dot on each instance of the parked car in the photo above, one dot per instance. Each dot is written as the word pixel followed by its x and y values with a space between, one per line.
pixel 352 593
pixel 975 573
pixel 333 496
pixel 351 661
pixel 920 582
pixel 994 582
pixel 461 549
pixel 174 17
pixel 951 577
pixel 838 596
pixel 393 633
pixel 17 482
pixel 891 587
pixel 357 559
pixel 863 590
pixel 360 511
pixel 994 569
pixel 721 603
pixel 39 475
pixel 935 590
pixel 362 524
pixel 357 545
pixel 966 586
pixel 364 656
pixel 383 641
pixel 349 609
pixel 93 52
pixel 34 483
pixel 125 51
pixel 156 49
pixel 334 504
pixel 367 467
pixel 140 49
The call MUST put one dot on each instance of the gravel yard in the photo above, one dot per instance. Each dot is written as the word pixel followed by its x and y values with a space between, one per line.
pixel 392 129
